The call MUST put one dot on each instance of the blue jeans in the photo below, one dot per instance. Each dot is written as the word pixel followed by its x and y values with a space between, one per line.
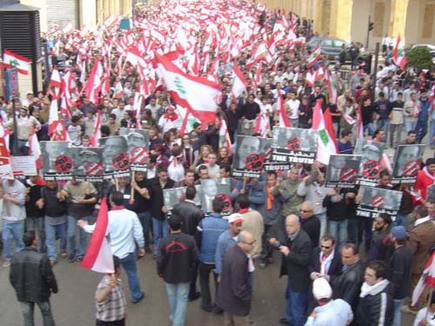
pixel 295 306
pixel 12 230
pixel 71 234
pixel 129 265
pixel 410 125
pixel 432 133
pixel 352 230
pixel 145 220
pixel 371 128
pixel 323 222
pixel 37 224
pixel 421 129
pixel 339 230
pixel 397 313
pixel 160 230
pixel 28 309
pixel 401 220
pixel 51 231
pixel 177 297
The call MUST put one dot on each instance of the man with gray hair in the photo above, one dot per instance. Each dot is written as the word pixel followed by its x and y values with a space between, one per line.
pixel 296 248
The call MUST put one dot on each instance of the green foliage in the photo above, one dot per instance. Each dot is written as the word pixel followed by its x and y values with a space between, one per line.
pixel 419 58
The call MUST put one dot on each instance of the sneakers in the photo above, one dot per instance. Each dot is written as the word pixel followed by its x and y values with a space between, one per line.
pixel 63 254
pixel 194 297
pixel 138 299
pixel 6 263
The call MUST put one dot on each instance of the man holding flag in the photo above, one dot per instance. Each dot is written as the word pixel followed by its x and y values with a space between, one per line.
pixel 124 229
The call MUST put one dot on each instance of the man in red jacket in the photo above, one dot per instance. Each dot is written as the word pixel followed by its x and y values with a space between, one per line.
pixel 426 178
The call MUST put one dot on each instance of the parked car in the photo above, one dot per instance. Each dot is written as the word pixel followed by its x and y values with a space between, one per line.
pixel 329 47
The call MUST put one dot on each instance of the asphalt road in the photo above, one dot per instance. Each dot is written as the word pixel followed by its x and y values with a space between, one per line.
pixel 74 304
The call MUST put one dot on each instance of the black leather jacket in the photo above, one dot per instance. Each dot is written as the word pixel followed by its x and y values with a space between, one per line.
pixel 31 276
pixel 191 215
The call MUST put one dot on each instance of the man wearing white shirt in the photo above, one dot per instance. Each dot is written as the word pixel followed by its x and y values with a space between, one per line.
pixel 125 231
pixel 292 108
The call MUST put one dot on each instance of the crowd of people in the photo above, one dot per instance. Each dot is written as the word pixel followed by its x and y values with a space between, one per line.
pixel 342 268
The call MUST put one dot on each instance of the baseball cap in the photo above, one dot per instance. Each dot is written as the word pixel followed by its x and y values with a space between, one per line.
pixel 321 289
pixel 399 232
pixel 235 218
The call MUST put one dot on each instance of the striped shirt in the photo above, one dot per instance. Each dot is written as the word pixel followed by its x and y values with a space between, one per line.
pixel 113 307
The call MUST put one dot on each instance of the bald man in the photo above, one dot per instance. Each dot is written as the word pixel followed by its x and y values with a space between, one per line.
pixel 296 248
pixel 310 222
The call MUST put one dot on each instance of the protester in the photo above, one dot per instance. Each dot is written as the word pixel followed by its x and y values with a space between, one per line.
pixel 33 280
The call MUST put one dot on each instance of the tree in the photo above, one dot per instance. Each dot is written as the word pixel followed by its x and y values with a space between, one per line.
pixel 419 58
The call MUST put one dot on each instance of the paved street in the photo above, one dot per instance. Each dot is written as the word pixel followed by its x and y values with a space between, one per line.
pixel 74 305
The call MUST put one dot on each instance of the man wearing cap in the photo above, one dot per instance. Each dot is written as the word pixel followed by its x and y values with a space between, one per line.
pixel 400 270
pixel 227 240
pixel 329 312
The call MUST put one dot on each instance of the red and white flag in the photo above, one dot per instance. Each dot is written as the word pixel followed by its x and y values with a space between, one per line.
pixel 35 149
pixel 99 256
pixel 399 57
pixel 196 94
pixel 239 82
pixel 224 136
pixel 314 56
pixel 326 141
pixel 262 125
pixel 56 127
pixel 95 82
pixel 282 114
pixel 359 126
pixel 426 279
pixel 97 132
pixel 5 160
pixel 11 59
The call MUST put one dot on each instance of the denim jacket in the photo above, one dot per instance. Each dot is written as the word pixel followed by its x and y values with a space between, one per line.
pixel 210 228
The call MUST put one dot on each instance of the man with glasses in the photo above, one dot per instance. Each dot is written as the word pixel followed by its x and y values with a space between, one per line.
pixel 296 248
pixel 310 223
pixel 235 292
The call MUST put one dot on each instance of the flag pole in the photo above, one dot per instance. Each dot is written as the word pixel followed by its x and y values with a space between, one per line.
pixel 429 302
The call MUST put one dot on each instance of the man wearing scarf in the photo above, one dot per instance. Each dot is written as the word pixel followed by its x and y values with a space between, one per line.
pixel 376 299
pixel 169 120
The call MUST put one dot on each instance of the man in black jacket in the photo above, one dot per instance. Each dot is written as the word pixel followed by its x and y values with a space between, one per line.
pixel 400 270
pixel 234 292
pixel 191 215
pixel 310 223
pixel 176 258
pixel 33 280
pixel 158 210
pixel 297 249
pixel 346 284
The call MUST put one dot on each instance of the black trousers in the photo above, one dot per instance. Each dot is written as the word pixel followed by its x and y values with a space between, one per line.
pixel 204 278
pixel 111 323
pixel 192 289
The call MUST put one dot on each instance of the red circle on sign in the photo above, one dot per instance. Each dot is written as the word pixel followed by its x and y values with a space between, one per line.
pixel 348 174
pixel 254 162
pixel 121 161
pixel 63 164
pixel 411 168
pixel 94 169
pixel 139 155
pixel 371 169
pixel 294 144
pixel 378 201
pixel 226 200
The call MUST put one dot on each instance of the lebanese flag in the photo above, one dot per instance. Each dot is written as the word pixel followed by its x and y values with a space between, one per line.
pixel 5 160
pixel 399 57
pixel 262 125
pixel 282 115
pixel 326 141
pixel 94 82
pixel 426 279
pixel 224 136
pixel 55 84
pixel 11 59
pixel 314 56
pixel 56 127
pixel 97 132
pixel 239 83
pixel 35 149
pixel 99 256
pixel 137 105
pixel 359 126
pixel 196 94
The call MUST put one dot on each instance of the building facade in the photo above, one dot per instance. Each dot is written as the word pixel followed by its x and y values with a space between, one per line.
pixel 414 20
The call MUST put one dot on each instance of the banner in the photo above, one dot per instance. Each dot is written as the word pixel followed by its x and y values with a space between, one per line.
pixel 378 200
pixel 370 165
pixel 293 145
pixel 57 160
pixel 209 189
pixel 116 160
pixel 407 161
pixel 88 163
pixel 24 166
pixel 137 142
pixel 250 156
pixel 342 171
pixel 173 196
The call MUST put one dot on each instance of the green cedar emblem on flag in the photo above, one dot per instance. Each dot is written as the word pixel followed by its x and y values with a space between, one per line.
pixel 324 136
pixel 179 85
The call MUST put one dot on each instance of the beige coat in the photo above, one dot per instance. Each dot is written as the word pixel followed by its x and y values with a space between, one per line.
pixel 421 240
pixel 253 223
